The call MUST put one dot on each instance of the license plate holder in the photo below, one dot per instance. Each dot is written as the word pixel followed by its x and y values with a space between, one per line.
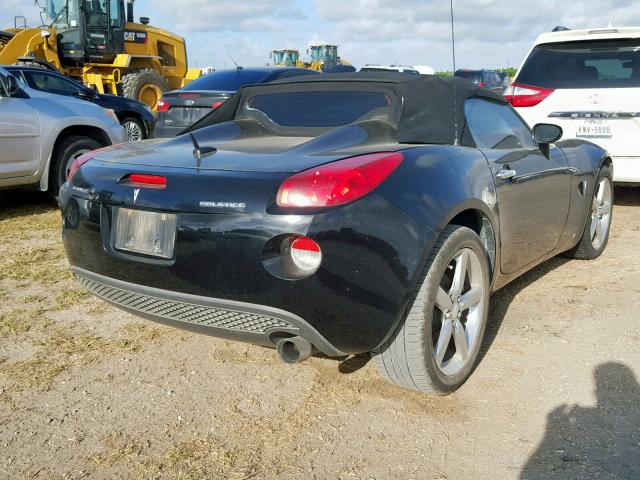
pixel 594 128
pixel 145 232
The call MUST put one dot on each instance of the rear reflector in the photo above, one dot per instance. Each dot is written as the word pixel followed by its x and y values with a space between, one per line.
pixel 162 106
pixel 520 95
pixel 339 182
pixel 306 254
pixel 144 180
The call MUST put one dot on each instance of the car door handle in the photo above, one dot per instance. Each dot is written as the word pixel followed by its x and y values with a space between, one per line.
pixel 505 174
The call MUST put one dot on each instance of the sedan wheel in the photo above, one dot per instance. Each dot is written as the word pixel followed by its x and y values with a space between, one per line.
pixel 133 130
pixel 436 348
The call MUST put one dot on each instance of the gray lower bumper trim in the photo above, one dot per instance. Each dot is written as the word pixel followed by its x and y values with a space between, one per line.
pixel 225 318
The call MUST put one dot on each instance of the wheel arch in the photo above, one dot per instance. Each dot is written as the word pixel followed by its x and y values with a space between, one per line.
pixel 95 133
pixel 478 217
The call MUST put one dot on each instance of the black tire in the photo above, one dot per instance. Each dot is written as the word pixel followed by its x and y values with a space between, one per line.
pixel 138 124
pixel 69 149
pixel 134 83
pixel 407 357
pixel 585 249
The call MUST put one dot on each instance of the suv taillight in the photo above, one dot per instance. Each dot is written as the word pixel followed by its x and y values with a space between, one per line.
pixel 520 95
pixel 339 182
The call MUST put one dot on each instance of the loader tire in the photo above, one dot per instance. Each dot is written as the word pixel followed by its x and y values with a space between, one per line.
pixel 145 85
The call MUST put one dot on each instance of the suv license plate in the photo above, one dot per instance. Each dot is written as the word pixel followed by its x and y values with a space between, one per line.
pixel 149 233
pixel 594 129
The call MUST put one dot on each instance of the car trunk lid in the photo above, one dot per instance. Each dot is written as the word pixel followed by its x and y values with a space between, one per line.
pixel 186 108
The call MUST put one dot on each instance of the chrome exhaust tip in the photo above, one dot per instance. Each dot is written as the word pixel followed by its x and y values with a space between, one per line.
pixel 294 350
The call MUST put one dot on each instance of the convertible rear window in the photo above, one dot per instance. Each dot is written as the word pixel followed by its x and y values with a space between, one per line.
pixel 584 64
pixel 318 110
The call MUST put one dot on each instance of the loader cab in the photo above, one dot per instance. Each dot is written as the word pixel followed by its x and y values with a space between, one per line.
pixel 89 31
pixel 327 55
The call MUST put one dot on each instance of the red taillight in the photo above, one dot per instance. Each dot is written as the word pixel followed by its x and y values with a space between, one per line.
pixel 144 180
pixel 520 95
pixel 338 182
pixel 217 104
pixel 162 106
pixel 79 162
pixel 481 84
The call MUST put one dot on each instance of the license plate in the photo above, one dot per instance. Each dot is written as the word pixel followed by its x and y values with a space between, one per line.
pixel 149 233
pixel 594 129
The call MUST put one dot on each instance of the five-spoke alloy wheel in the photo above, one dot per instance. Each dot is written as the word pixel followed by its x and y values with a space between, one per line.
pixel 437 346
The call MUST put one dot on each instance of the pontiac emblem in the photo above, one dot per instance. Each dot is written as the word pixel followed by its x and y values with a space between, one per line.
pixel 595 99
pixel 136 192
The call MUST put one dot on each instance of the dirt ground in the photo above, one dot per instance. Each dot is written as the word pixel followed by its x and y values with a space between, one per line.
pixel 87 391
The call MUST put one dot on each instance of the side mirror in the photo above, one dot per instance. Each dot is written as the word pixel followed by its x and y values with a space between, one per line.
pixel 12 85
pixel 546 133
pixel 86 94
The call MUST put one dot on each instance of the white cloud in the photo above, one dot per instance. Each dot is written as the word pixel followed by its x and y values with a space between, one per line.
pixel 489 33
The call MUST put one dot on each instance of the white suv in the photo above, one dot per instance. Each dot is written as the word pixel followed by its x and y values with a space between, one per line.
pixel 588 82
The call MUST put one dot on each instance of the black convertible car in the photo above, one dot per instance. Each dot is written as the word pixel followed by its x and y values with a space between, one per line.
pixel 343 213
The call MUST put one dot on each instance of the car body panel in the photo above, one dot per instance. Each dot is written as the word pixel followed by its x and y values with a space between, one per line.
pixel 374 249
pixel 54 115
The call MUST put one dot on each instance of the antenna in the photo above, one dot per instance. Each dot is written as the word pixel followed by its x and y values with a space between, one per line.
pixel 238 67
pixel 455 97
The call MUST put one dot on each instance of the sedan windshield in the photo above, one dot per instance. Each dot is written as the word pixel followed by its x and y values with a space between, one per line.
pixel 228 80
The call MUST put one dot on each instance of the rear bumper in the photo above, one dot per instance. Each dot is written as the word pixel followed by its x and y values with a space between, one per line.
pixel 163 131
pixel 626 169
pixel 240 321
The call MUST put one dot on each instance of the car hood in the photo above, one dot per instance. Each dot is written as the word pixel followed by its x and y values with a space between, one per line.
pixel 246 147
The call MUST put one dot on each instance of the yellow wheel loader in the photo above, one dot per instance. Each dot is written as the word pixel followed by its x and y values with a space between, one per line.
pixel 324 57
pixel 98 43
pixel 286 58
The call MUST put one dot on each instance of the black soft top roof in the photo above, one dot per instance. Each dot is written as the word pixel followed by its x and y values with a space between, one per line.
pixel 428 113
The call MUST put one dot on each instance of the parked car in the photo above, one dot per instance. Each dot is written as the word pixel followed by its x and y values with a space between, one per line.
pixel 347 213
pixel 588 82
pixel 42 134
pixel 483 78
pixel 390 68
pixel 136 117
pixel 180 109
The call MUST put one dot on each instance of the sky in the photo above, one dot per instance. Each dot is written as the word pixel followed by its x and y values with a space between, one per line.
pixel 489 33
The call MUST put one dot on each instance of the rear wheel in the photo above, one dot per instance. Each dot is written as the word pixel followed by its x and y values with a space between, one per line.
pixel 133 129
pixel 70 149
pixel 596 231
pixel 436 348
pixel 145 85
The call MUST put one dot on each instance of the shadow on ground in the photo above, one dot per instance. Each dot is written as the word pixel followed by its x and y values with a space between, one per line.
pixel 501 300
pixel 23 202
pixel 601 442
pixel 627 196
